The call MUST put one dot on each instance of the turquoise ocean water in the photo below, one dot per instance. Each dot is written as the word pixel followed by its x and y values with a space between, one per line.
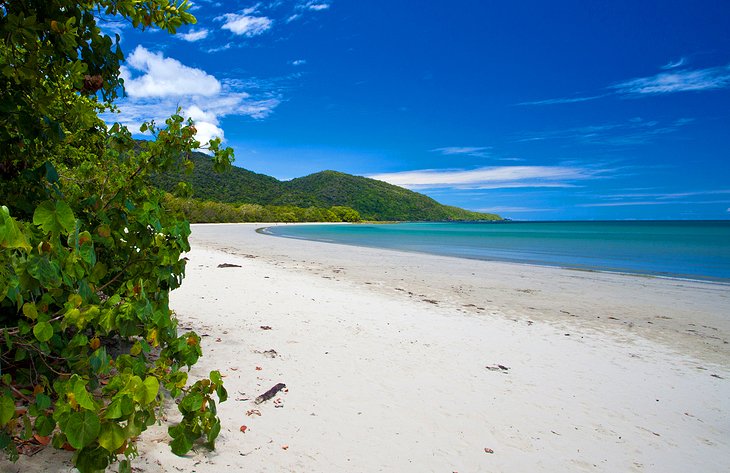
pixel 678 249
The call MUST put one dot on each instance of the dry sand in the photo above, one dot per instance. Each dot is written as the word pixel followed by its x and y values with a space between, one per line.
pixel 391 364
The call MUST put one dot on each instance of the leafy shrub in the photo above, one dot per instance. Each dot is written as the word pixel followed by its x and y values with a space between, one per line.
pixel 88 254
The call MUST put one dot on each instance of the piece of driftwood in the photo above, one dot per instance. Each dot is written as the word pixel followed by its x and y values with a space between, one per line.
pixel 270 393
pixel 229 265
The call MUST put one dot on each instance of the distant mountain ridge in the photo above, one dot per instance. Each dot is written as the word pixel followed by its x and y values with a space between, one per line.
pixel 373 199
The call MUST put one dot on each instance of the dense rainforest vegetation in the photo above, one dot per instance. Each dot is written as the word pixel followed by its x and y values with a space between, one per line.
pixel 89 348
pixel 317 197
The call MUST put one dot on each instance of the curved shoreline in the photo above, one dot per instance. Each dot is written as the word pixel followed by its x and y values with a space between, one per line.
pixel 689 316
pixel 671 277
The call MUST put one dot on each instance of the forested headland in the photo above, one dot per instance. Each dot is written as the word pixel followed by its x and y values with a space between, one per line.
pixel 240 195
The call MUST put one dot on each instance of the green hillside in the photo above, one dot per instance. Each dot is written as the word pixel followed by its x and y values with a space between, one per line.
pixel 374 200
pixel 238 185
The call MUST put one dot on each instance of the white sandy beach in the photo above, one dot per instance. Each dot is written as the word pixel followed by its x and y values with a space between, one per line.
pixel 390 361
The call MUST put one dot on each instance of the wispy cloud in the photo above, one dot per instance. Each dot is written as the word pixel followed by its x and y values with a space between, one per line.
pixel 298 62
pixel 676 81
pixel 480 151
pixel 674 64
pixel 668 195
pixel 244 24
pixel 659 198
pixel 564 100
pixel 193 35
pixel 631 132
pixel 491 177
pixel 507 210
pixel 623 204
pixel 314 6
pixel 156 86
pixel 219 48
pixel 304 7
pixel 672 80
pixel 318 6
pixel 652 202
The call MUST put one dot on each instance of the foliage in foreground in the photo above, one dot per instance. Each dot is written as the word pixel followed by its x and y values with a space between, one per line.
pixel 88 254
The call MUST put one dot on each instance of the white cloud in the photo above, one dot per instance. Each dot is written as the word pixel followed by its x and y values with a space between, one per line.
pixel 653 202
pixel 668 195
pixel 219 48
pixel 563 100
pixel 206 124
pixel 624 204
pixel 194 35
pixel 468 150
pixel 677 81
pixel 490 177
pixel 317 6
pixel 244 24
pixel 634 131
pixel 164 77
pixel 508 209
pixel 671 81
pixel 156 86
pixel 298 62
pixel 674 64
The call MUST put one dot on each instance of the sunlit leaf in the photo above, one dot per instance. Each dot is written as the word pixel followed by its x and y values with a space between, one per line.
pixel 7 409
pixel 82 428
pixel 43 331
pixel 112 436
pixel 54 217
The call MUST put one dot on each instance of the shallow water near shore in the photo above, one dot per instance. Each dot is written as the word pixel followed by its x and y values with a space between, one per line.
pixel 677 249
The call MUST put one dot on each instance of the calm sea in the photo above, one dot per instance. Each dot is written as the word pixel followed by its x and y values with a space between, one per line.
pixel 679 249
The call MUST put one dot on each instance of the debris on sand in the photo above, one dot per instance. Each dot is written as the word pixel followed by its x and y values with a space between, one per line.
pixel 270 393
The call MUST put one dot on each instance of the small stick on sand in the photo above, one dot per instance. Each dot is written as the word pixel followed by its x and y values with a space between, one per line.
pixel 270 393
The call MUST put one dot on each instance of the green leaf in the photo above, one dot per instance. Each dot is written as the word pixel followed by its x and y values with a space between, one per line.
pixel 82 396
pixel 10 234
pixel 125 466
pixel 43 331
pixel 181 445
pixel 120 407
pixel 82 428
pixel 91 460
pixel 216 377
pixel 54 217
pixel 222 393
pixel 44 425
pixel 151 388
pixel 7 409
pixel 112 436
pixel 42 401
pixel 213 434
pixel 30 311
pixel 191 403
pixel 27 433
pixel 86 248
pixel 47 272
pixel 50 172
pixel 99 360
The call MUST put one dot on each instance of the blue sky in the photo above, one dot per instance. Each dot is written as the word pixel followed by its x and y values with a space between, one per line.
pixel 531 109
